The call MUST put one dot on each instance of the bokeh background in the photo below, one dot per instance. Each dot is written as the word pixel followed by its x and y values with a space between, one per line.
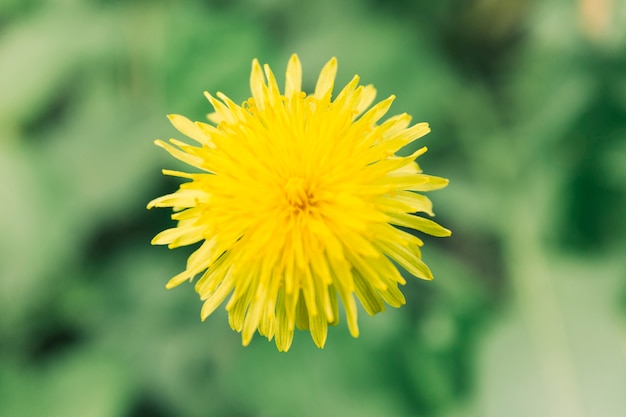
pixel 527 313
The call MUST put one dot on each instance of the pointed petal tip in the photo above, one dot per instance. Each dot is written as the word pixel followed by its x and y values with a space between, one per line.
pixel 165 237
pixel 386 103
pixel 177 280
pixel 160 143
pixel 211 98
pixel 354 332
pixel 320 344
pixel 426 274
pixel 151 204
pixel 246 339
pixel 256 70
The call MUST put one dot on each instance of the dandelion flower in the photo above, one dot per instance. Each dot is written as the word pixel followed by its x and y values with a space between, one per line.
pixel 299 201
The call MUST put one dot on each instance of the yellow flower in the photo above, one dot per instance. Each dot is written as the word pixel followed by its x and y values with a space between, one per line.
pixel 298 200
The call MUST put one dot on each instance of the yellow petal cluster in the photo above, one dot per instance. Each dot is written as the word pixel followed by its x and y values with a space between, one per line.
pixel 299 201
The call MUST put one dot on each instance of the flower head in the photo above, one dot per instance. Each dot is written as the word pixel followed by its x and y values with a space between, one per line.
pixel 300 200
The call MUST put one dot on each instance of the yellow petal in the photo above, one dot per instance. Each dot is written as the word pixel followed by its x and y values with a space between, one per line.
pixel 408 259
pixel 189 129
pixel 192 160
pixel 326 80
pixel 257 84
pixel 293 77
pixel 217 297
pixel 419 223
pixel 367 98
pixel 371 301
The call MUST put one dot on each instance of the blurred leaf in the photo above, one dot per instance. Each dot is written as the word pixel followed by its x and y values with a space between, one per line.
pixel 595 339
pixel 84 384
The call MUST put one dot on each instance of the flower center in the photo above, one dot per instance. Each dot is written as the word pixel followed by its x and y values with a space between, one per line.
pixel 299 194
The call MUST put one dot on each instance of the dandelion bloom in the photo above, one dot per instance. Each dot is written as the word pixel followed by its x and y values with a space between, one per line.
pixel 299 199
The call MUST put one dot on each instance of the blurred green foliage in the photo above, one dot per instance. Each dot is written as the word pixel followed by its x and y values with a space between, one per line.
pixel 527 102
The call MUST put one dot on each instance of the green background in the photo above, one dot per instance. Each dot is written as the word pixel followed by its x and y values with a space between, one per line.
pixel 526 315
